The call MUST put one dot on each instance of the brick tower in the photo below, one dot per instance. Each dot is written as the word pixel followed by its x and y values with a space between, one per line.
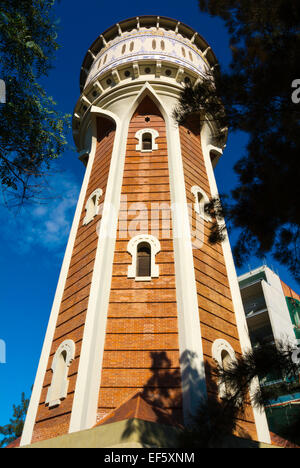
pixel 145 307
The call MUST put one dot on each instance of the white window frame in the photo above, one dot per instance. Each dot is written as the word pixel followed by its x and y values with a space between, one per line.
pixel 218 347
pixel 199 206
pixel 139 136
pixel 53 399
pixel 132 248
pixel 89 217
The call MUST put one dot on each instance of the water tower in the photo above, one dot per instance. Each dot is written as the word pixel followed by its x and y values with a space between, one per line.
pixel 145 306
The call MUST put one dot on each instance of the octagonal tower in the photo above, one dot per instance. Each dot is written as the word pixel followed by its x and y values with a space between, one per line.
pixel 145 307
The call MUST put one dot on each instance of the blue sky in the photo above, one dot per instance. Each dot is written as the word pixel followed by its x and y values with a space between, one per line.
pixel 32 242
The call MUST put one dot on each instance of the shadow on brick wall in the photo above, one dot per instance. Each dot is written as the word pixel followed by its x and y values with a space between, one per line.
pixel 213 425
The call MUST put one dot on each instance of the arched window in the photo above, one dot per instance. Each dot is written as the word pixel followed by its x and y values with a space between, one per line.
pixel 224 355
pixel 62 360
pixel 92 206
pixel 143 264
pixel 226 359
pixel 201 199
pixel 143 249
pixel 146 140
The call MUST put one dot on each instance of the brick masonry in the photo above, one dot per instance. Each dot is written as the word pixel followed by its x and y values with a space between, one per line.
pixel 141 351
pixel 216 313
pixel 52 422
pixel 141 348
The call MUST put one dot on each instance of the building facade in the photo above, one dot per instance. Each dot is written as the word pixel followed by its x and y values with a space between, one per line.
pixel 272 311
pixel 271 307
pixel 144 304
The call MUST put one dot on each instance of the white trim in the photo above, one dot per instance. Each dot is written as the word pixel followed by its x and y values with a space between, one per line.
pixel 190 341
pixel 220 345
pixel 42 367
pixel 217 348
pixel 54 400
pixel 262 428
pixel 132 249
pixel 86 395
pixel 139 136
pixel 200 205
pixel 90 216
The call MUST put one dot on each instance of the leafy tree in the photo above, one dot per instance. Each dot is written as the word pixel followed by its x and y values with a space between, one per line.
pixel 256 93
pixel 217 419
pixel 32 131
pixel 14 429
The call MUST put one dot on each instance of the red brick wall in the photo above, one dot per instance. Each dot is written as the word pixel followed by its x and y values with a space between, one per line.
pixel 214 297
pixel 51 422
pixel 288 292
pixel 141 348
pixel 141 351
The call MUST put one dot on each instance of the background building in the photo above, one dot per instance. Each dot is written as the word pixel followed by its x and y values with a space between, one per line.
pixel 272 310
pixel 271 307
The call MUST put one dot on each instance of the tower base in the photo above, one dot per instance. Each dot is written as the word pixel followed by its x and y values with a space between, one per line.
pixel 135 424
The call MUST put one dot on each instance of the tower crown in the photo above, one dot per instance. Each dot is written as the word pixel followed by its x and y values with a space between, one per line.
pixel 151 49
pixel 144 39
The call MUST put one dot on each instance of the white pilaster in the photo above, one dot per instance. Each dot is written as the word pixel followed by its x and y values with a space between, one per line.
pixel 85 402
pixel 42 367
pixel 259 415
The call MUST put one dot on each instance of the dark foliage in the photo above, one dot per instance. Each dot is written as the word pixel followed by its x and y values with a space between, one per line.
pixel 213 425
pixel 260 362
pixel 13 430
pixel 32 131
pixel 202 102
pixel 218 419
pixel 256 93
